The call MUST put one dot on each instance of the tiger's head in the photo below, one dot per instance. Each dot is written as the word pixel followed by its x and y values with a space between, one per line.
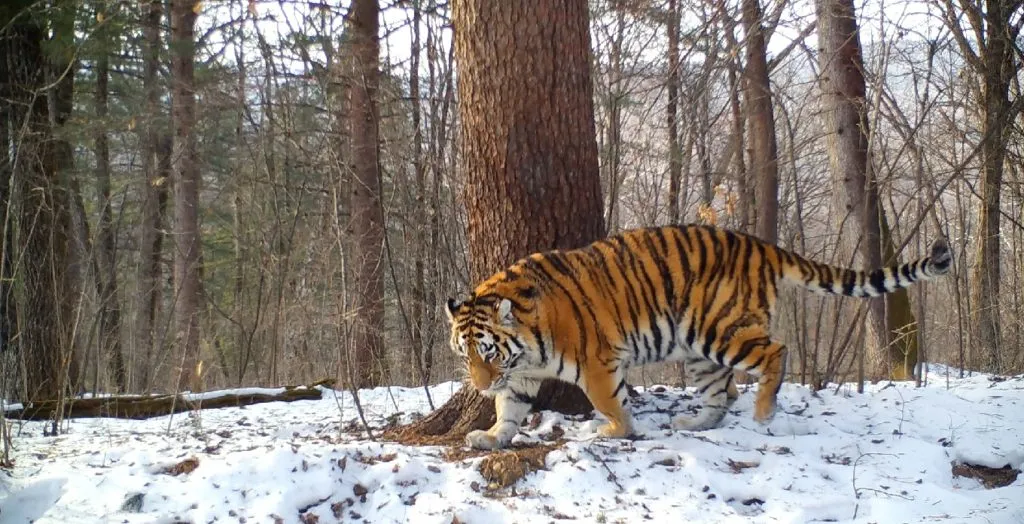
pixel 485 333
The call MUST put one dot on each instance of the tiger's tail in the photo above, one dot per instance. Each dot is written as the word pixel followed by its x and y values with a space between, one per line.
pixel 826 279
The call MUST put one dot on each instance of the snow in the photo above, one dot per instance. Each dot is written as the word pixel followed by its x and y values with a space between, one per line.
pixel 836 456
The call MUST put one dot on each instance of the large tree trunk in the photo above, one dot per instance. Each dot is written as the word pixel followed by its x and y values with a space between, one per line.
pixel 187 254
pixel 529 157
pixel 761 125
pixel 846 125
pixel 369 367
pixel 156 173
pixel 45 306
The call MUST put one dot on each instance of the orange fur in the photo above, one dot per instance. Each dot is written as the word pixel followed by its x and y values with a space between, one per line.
pixel 699 294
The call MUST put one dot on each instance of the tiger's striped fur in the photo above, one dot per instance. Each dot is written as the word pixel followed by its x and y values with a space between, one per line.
pixel 697 294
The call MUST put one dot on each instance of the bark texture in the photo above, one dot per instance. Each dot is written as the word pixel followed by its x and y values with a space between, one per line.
pixel 529 157
pixel 44 309
pixel 764 164
pixel 187 252
pixel 368 365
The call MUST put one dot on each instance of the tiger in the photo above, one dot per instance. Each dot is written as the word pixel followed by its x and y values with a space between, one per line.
pixel 699 294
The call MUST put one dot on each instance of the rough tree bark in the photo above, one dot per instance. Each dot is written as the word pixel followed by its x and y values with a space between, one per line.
pixel 44 305
pixel 368 366
pixel 761 125
pixel 187 252
pixel 156 173
pixel 529 157
pixel 846 125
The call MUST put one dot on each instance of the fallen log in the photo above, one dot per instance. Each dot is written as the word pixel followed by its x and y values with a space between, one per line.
pixel 139 407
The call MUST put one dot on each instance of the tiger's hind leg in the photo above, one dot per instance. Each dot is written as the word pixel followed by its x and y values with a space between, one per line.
pixel 752 350
pixel 716 390
pixel 605 386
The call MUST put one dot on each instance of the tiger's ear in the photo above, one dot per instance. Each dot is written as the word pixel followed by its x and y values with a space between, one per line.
pixel 504 308
pixel 453 306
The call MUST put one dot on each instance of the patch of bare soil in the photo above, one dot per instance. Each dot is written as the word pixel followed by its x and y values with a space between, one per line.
pixel 503 468
pixel 991 478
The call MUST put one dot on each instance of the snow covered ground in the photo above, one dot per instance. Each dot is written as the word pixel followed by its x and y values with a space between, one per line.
pixel 884 456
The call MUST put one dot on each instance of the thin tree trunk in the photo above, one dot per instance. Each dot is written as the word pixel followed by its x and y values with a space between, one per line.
pixel 761 125
pixel 744 186
pixel 104 255
pixel 7 121
pixel 675 162
pixel 240 303
pixel 60 160
pixel 441 101
pixel 737 139
pixel 156 154
pixel 369 360
pixel 613 143
pixel 701 129
pixel 187 252
pixel 420 241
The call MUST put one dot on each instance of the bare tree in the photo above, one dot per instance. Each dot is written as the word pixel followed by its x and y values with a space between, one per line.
pixel 367 226
pixel 675 162
pixel 761 124
pixel 847 130
pixel 995 34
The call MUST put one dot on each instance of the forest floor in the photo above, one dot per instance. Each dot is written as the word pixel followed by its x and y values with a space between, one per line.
pixel 894 454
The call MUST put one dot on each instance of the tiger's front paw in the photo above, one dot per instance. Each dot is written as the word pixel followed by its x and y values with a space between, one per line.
pixel 480 439
pixel 613 430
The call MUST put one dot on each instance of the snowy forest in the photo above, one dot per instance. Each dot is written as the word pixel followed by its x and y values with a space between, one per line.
pixel 277 197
